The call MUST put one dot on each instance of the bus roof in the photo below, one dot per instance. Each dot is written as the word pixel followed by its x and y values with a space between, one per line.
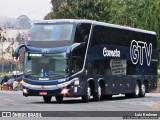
pixel 95 23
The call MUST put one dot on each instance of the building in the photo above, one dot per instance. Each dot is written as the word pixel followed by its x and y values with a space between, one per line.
pixel 13 38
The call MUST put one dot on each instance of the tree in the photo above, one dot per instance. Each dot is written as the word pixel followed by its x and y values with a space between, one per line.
pixel 57 3
pixel 23 22
pixel 84 9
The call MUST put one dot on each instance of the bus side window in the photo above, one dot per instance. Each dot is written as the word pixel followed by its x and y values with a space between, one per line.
pixel 96 68
pixel 82 33
pixel 101 67
pixel 107 68
pixel 90 68
pixel 98 36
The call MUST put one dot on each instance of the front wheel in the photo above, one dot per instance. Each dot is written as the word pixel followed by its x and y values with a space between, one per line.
pixel 47 99
pixel 59 98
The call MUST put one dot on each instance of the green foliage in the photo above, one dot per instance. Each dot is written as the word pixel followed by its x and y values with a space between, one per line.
pixel 143 14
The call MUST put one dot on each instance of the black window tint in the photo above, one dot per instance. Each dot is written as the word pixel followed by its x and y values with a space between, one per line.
pixel 98 35
pixel 99 67
pixel 110 36
pixel 82 33
pixel 119 37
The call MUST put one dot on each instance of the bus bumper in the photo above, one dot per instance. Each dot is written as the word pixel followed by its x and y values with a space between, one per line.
pixel 67 89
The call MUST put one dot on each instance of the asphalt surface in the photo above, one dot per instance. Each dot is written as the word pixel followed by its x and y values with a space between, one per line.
pixel 15 101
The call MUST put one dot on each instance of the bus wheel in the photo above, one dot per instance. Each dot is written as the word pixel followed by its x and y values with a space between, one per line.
pixel 136 90
pixel 86 97
pixel 47 99
pixel 142 90
pixel 98 95
pixel 59 98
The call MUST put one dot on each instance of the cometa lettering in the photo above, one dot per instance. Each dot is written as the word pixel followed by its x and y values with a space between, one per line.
pixel 111 53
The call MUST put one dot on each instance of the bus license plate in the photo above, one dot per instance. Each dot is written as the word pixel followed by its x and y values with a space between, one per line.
pixel 42 93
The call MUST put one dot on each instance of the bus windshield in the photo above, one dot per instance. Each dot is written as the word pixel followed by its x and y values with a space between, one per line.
pixel 50 32
pixel 51 66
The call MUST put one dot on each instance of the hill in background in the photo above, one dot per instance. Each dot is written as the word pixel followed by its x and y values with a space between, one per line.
pixel 22 22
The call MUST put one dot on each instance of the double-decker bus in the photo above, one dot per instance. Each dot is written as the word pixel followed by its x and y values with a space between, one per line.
pixel 85 58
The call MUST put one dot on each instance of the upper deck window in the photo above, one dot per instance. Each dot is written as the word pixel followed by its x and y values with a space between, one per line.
pixel 51 32
pixel 82 32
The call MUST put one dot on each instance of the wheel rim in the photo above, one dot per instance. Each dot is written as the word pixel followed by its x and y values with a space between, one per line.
pixel 137 90
pixel 99 91
pixel 89 92
pixel 143 88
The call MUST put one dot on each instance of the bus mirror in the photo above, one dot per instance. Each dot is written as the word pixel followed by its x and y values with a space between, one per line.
pixel 16 53
pixel 16 59
pixel 29 58
pixel 15 56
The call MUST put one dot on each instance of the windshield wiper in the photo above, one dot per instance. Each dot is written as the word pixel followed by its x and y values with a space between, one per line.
pixel 58 75
pixel 33 75
pixel 51 75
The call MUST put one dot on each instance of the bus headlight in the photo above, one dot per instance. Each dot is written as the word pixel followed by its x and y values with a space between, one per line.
pixel 64 91
pixel 25 91
pixel 22 82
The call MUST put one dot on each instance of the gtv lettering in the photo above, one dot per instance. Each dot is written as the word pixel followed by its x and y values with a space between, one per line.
pixel 136 52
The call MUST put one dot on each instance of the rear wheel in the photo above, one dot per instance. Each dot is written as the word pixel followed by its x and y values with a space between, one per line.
pixel 143 90
pixel 59 98
pixel 98 95
pixel 47 99
pixel 87 96
pixel 136 90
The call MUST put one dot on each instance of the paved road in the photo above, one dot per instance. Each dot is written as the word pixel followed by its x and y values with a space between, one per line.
pixel 14 101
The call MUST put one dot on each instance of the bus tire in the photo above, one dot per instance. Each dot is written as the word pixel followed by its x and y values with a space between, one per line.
pixel 136 90
pixel 59 98
pixel 98 95
pixel 47 99
pixel 87 96
pixel 143 90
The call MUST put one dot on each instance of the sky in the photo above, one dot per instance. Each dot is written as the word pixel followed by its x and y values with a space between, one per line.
pixel 34 9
